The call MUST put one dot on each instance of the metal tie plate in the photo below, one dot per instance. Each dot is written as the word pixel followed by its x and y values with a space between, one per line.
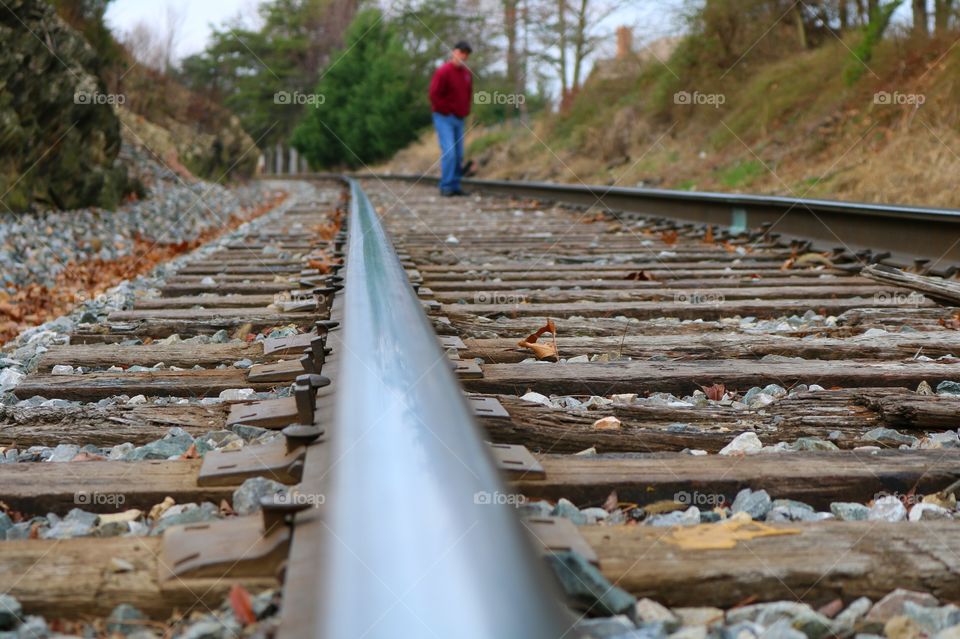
pixel 273 460
pixel 452 341
pixel 229 548
pixel 515 459
pixel 559 534
pixel 266 413
pixel 285 371
pixel 487 407
pixel 466 369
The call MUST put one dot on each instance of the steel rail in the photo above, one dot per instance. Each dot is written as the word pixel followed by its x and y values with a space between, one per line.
pixel 419 540
pixel 907 232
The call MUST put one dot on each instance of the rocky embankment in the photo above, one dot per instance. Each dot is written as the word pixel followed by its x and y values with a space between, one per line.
pixel 59 136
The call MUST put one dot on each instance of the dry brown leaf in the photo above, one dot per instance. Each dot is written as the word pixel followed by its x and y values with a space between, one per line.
pixel 669 237
pixel 542 351
pixel 242 605
pixel 549 327
pixel 191 453
pixel 243 331
pixel 35 304
pixel 715 391
pixel 806 260
pixel 723 535
pixel 665 506
pixel 85 456
pixel 708 236
pixel 639 276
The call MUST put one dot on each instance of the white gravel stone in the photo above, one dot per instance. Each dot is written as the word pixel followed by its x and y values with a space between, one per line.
pixel 236 394
pixel 743 444
pixel 887 508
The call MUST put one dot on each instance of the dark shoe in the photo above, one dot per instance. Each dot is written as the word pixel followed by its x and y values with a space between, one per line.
pixel 447 193
pixel 459 193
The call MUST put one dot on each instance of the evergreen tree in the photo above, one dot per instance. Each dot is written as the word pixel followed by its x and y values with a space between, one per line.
pixel 373 99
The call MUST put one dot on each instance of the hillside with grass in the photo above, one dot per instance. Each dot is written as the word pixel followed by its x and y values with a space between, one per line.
pixel 849 116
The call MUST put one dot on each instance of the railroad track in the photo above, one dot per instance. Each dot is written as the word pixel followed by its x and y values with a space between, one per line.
pixel 430 457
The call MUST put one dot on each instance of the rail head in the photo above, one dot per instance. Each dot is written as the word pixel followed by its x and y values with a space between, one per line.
pixel 418 542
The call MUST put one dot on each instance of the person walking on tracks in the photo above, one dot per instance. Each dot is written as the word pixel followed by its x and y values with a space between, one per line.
pixel 451 91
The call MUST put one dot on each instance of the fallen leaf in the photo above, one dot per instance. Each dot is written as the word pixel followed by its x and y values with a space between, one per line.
pixel 225 508
pixel 724 534
pixel 639 276
pixel 85 456
pixel 191 453
pixel 708 236
pixel 542 351
pixel 669 237
pixel 806 260
pixel 715 391
pixel 665 506
pixel 242 605
pixel 243 331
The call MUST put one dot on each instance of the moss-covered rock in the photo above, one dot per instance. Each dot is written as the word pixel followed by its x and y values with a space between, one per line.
pixel 59 134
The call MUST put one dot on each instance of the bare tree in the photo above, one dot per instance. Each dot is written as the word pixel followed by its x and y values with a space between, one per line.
pixel 920 16
pixel 943 11
pixel 569 31
pixel 145 45
pixel 153 46
pixel 175 19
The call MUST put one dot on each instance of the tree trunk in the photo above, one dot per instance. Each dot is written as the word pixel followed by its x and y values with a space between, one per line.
pixel 523 60
pixel 510 31
pixel 801 25
pixel 562 44
pixel 943 13
pixel 580 44
pixel 920 18
pixel 844 15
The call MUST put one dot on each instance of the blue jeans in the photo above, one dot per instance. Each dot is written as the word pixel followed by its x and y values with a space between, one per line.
pixel 450 134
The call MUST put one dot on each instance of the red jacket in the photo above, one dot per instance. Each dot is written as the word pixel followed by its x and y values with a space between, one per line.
pixel 451 90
